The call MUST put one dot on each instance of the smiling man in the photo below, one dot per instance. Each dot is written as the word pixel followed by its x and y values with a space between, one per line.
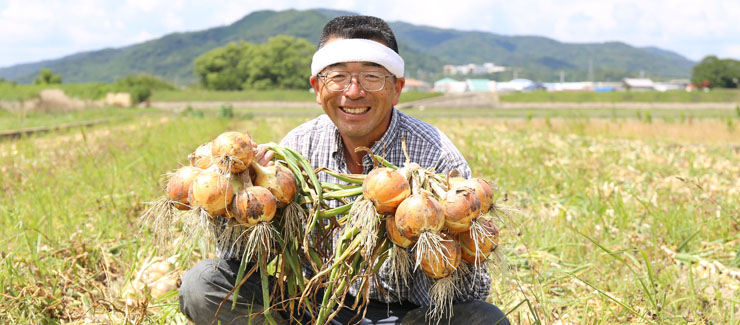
pixel 357 75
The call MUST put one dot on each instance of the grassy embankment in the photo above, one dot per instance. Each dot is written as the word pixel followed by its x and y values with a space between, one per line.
pixel 602 206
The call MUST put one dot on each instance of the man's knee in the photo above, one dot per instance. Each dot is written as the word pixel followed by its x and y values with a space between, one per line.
pixel 468 313
pixel 196 282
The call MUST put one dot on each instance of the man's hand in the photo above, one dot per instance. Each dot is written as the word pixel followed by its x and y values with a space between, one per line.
pixel 262 156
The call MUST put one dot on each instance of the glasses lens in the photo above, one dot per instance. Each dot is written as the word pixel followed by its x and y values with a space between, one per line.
pixel 340 80
pixel 372 81
pixel 337 80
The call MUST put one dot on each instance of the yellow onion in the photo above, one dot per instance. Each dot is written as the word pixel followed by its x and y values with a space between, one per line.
pixel 179 185
pixel 460 206
pixel 278 179
pixel 394 235
pixel 419 213
pixel 442 263
pixel 386 188
pixel 253 205
pixel 485 243
pixel 202 157
pixel 211 191
pixel 233 150
pixel 483 189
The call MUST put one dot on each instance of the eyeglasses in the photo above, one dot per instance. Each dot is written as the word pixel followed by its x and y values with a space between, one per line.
pixel 370 81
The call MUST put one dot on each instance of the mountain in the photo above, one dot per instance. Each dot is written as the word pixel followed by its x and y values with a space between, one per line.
pixel 425 50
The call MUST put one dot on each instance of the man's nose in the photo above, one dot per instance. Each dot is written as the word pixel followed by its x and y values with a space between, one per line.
pixel 354 90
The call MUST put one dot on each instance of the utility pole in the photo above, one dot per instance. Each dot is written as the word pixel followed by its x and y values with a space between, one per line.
pixel 562 76
pixel 591 70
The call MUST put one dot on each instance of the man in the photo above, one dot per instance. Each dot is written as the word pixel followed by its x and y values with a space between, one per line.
pixel 357 76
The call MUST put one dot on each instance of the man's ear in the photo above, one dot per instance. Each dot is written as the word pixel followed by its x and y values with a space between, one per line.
pixel 398 88
pixel 315 84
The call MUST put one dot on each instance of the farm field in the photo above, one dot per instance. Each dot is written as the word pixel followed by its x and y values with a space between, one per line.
pixel 613 217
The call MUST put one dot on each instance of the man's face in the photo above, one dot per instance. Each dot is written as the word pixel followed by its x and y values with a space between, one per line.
pixel 359 114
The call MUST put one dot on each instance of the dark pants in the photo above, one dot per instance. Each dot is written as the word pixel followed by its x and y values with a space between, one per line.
pixel 205 286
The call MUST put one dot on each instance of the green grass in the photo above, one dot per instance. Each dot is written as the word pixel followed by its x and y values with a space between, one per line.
pixel 16 121
pixel 597 201
pixel 677 96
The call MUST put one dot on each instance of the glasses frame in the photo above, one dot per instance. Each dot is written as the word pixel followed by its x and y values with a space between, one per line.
pixel 355 76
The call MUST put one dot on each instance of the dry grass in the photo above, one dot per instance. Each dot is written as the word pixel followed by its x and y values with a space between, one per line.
pixel 620 221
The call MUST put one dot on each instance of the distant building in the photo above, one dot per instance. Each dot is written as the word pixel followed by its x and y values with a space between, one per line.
pixel 449 85
pixel 569 86
pixel 480 85
pixel 416 85
pixel 471 68
pixel 638 84
pixel 517 85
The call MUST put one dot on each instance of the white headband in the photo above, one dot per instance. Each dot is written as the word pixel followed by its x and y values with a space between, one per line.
pixel 357 50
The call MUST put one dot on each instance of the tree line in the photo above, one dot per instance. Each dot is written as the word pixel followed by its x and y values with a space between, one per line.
pixel 281 62
pixel 713 72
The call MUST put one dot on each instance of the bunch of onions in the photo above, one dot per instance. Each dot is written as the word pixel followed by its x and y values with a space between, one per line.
pixel 441 267
pixel 420 218
pixel 233 152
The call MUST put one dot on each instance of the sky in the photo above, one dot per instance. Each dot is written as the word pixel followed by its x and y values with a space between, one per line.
pixel 34 30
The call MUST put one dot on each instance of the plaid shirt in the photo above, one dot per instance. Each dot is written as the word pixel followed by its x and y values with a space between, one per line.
pixel 319 141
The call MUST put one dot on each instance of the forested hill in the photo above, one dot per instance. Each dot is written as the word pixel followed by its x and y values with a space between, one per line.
pixel 425 50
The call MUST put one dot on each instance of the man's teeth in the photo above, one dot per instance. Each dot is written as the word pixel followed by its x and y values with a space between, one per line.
pixel 355 110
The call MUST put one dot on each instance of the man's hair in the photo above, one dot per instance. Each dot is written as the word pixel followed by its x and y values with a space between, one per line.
pixel 367 27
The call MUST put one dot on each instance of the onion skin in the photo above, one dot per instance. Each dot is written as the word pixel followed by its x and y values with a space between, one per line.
pixel 202 156
pixel 482 188
pixel 386 188
pixel 469 256
pixel 279 180
pixel 434 265
pixel 485 245
pixel 460 207
pixel 179 186
pixel 254 205
pixel 211 192
pixel 417 214
pixel 236 146
pixel 394 234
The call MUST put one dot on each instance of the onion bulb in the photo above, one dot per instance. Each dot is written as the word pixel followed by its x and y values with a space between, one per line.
pixel 386 188
pixel 419 213
pixel 484 242
pixel 211 191
pixel 202 156
pixel 483 189
pixel 233 151
pixel 442 263
pixel 179 185
pixel 253 205
pixel 278 179
pixel 460 207
pixel 395 236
